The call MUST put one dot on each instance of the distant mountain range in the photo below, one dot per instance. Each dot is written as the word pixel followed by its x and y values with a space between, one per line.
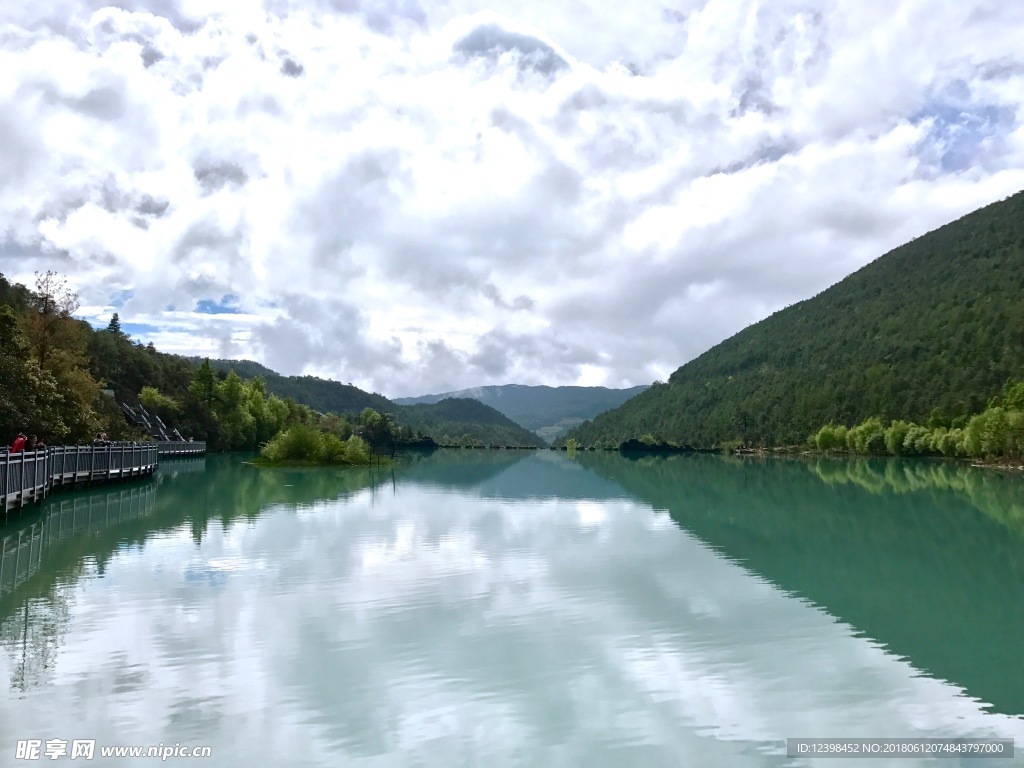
pixel 512 414
pixel 453 420
pixel 548 411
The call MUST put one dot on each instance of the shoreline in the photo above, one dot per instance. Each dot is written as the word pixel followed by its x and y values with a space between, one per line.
pixel 1002 464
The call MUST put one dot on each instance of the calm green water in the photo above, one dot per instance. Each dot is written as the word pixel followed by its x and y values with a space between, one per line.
pixel 513 608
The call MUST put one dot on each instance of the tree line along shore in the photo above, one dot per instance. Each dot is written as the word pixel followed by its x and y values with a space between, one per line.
pixel 63 380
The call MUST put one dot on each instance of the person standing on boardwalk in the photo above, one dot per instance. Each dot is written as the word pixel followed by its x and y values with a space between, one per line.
pixel 19 443
pixel 33 443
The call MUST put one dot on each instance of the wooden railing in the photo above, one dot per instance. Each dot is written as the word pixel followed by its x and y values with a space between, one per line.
pixel 28 476
pixel 179 448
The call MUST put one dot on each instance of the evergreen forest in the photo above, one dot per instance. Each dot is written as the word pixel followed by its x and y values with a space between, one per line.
pixel 929 334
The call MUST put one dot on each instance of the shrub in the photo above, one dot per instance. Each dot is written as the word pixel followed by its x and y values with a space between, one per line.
pixel 995 432
pixel 829 438
pixel 972 435
pixel 333 450
pixel 953 442
pixel 918 441
pixel 937 436
pixel 300 442
pixel 357 450
pixel 895 436
pixel 867 437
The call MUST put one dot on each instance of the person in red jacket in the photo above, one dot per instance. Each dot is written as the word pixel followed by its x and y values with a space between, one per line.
pixel 19 443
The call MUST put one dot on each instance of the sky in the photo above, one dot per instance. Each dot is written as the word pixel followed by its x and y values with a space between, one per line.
pixel 420 197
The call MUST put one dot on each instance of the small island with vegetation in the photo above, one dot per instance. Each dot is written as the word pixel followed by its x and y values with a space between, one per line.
pixel 304 445
pixel 343 445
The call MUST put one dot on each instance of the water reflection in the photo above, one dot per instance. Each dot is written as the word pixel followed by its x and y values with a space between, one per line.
pixel 522 609
pixel 922 557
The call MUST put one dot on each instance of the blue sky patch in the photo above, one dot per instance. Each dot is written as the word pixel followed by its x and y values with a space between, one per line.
pixel 228 305
pixel 960 128
pixel 138 329
pixel 118 298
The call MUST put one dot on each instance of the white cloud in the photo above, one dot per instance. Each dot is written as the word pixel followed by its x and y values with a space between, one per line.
pixel 415 197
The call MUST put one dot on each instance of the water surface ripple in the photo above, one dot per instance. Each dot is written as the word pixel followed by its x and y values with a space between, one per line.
pixel 497 608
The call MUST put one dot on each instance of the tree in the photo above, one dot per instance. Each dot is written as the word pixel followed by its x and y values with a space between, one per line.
pixel 114 326
pixel 59 347
pixel 742 423
pixel 234 413
pixel 378 430
pixel 867 437
pixel 29 397
pixel 895 436
pixel 49 317
pixel 831 437
pixel 336 425
pixel 267 421
pixel 204 384
pixel 159 403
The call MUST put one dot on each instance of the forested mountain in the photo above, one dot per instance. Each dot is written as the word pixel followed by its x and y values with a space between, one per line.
pixel 54 368
pixel 466 421
pixel 322 395
pixel 56 372
pixel 548 411
pixel 930 331
pixel 448 421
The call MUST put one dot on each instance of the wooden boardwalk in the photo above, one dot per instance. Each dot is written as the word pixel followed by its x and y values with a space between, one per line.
pixel 30 476
pixel 172 448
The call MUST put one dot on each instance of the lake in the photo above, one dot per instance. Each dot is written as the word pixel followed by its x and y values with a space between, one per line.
pixel 516 608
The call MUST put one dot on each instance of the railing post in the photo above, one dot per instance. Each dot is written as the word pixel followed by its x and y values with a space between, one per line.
pixel 21 488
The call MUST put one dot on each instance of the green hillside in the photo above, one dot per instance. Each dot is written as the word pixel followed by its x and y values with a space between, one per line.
pixel 548 411
pixel 447 421
pixel 931 330
pixel 456 419
pixel 56 372
pixel 322 395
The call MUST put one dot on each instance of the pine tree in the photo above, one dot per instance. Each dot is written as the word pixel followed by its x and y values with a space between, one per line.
pixel 204 385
